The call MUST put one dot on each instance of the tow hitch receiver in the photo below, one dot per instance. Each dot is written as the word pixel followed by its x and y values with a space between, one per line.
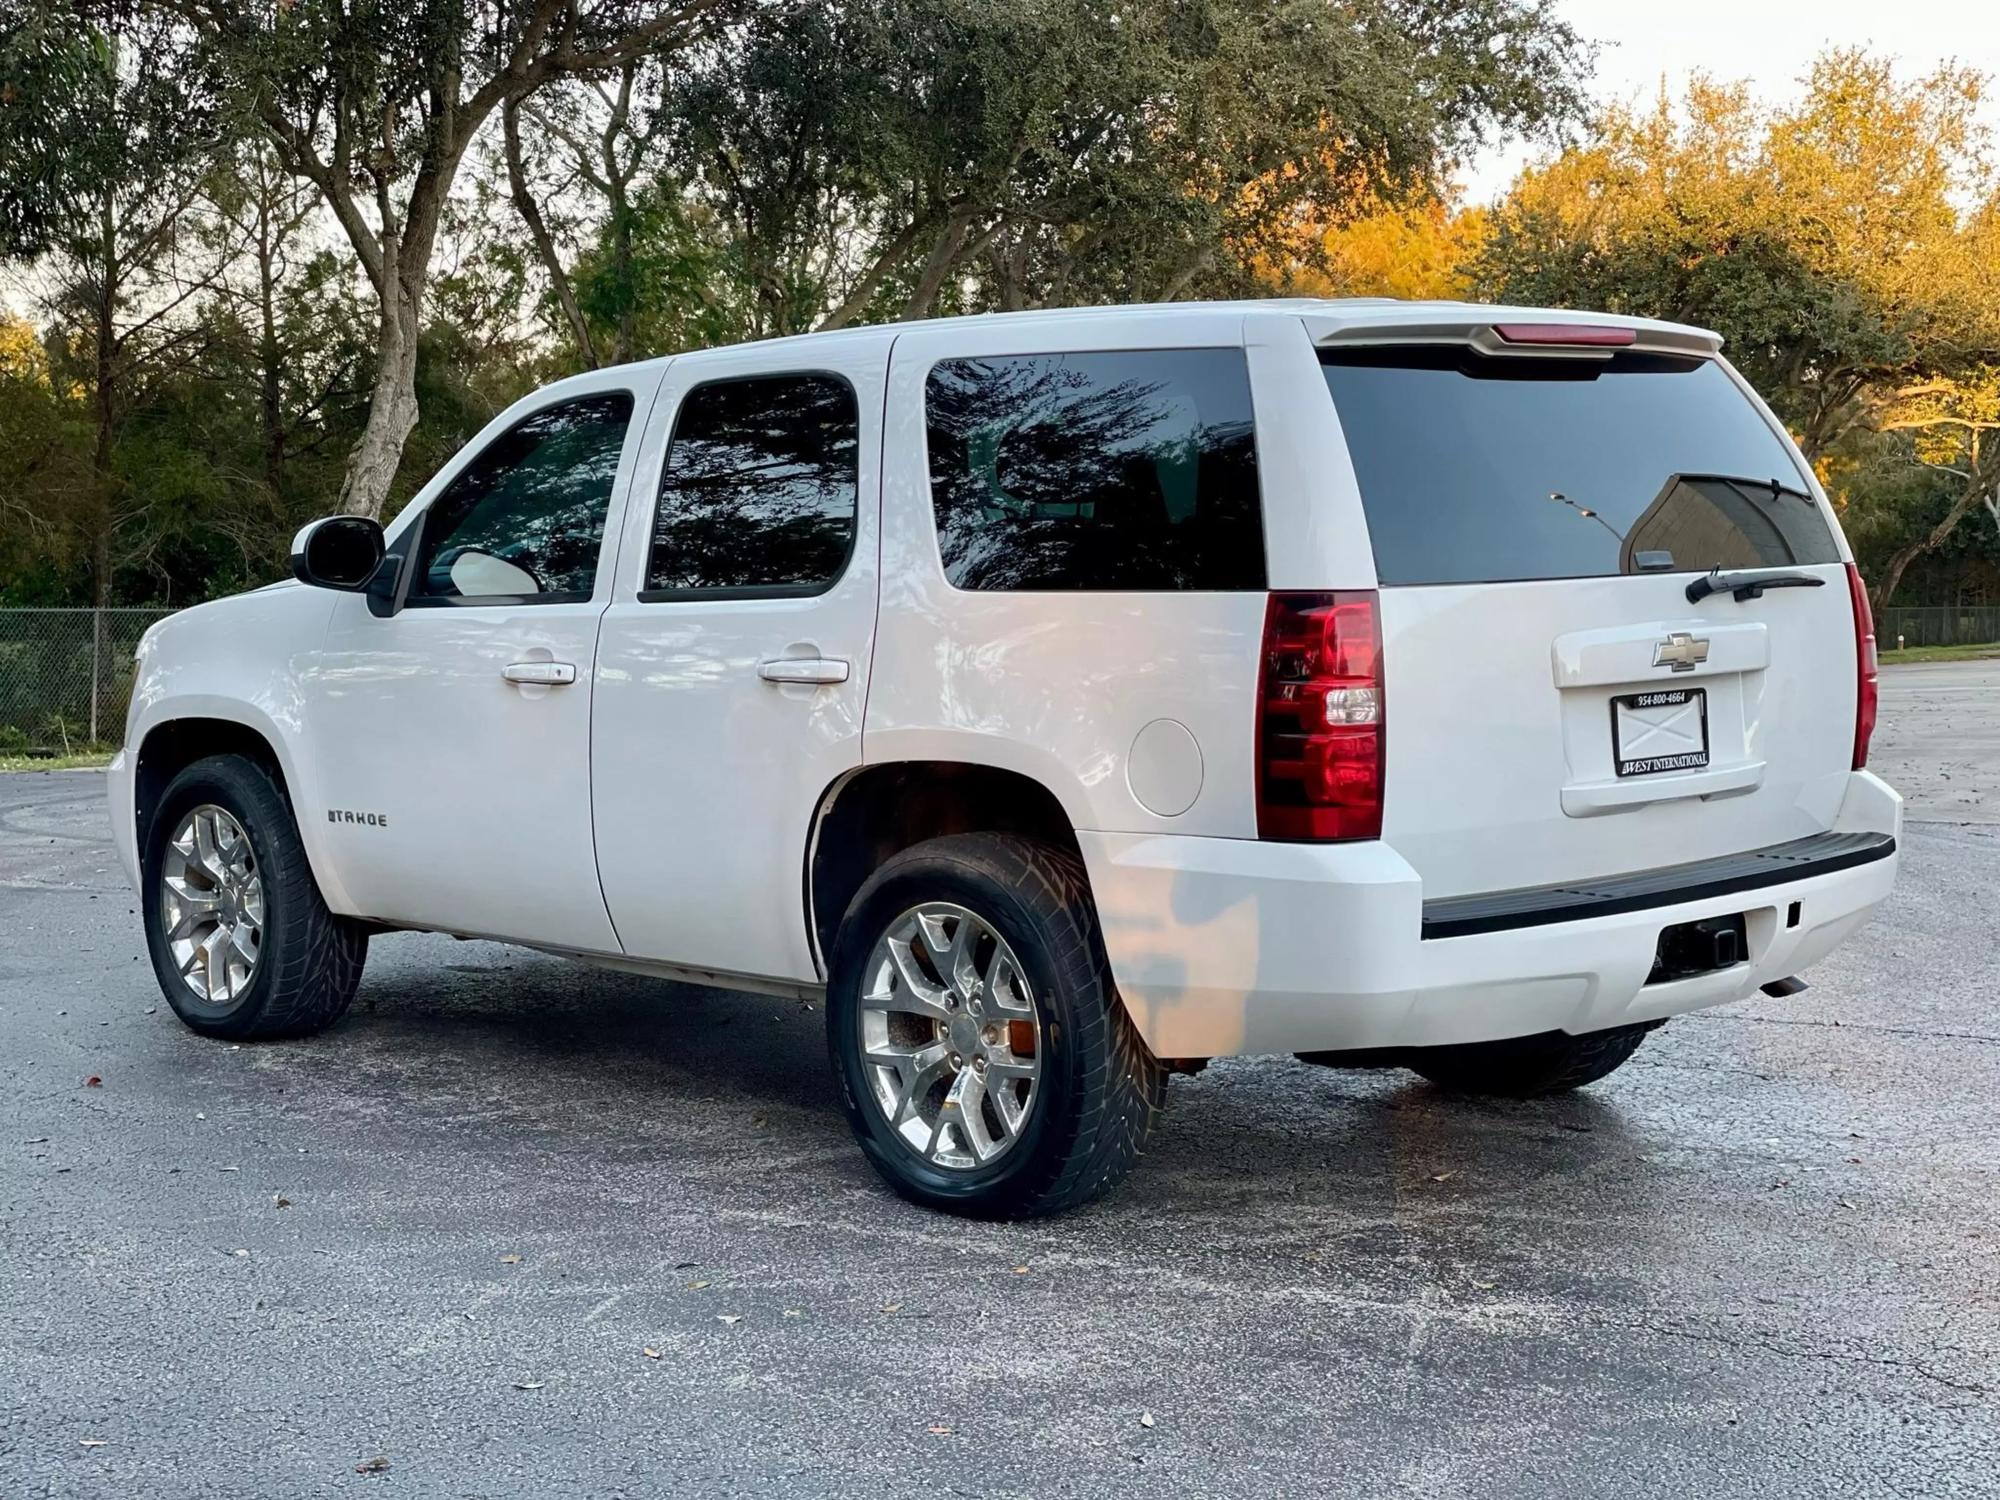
pixel 1690 948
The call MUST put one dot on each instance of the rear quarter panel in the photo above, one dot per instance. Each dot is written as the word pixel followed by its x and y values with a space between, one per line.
pixel 1058 685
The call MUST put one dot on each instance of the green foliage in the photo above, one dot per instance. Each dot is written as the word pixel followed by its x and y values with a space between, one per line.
pixel 1846 248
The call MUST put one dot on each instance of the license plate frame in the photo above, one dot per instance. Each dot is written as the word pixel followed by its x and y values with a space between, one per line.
pixel 1658 711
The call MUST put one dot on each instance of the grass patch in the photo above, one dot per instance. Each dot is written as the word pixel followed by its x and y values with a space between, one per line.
pixel 89 759
pixel 1941 653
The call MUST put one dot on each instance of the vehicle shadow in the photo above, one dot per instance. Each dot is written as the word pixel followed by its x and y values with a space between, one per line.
pixel 551 1026
pixel 622 1062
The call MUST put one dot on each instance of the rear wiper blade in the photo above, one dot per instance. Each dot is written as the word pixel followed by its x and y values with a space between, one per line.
pixel 1743 482
pixel 1749 583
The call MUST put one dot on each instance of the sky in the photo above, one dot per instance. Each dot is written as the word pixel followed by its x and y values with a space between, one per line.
pixel 1771 43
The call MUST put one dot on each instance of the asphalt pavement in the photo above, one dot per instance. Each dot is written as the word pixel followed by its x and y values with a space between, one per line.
pixel 521 1228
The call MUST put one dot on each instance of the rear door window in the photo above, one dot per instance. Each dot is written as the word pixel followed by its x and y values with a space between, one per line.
pixel 1481 469
pixel 759 491
pixel 1105 471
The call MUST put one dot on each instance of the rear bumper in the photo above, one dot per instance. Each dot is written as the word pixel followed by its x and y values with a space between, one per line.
pixel 1226 946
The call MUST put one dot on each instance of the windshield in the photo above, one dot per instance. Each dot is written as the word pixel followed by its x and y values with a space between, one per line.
pixel 1479 469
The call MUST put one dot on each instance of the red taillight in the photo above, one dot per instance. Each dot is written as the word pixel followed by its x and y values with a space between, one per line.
pixel 1320 718
pixel 1566 333
pixel 1866 690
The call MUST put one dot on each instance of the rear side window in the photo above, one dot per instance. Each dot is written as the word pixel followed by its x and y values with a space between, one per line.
pixel 759 490
pixel 1132 470
pixel 1478 469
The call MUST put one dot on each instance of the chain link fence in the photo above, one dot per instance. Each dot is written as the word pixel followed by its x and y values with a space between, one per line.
pixel 65 676
pixel 1938 625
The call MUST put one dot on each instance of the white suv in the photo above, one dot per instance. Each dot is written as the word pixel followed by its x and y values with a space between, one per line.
pixel 1068 697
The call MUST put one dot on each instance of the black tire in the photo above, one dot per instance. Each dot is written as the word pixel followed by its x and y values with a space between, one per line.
pixel 1100 1090
pixel 309 960
pixel 1527 1067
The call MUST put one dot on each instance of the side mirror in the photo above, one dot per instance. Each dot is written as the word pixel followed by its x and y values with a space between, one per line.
pixel 339 552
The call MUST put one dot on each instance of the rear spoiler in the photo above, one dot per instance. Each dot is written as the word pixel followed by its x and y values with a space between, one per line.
pixel 1535 334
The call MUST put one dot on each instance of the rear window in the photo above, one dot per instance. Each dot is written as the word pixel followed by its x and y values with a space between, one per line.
pixel 1476 469
pixel 1127 470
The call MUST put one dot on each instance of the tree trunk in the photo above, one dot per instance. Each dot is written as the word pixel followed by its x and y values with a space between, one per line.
pixel 104 498
pixel 937 266
pixel 269 358
pixel 1977 488
pixel 538 231
pixel 626 278
pixel 392 411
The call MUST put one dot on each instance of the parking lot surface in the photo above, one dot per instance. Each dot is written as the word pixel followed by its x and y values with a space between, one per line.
pixel 522 1228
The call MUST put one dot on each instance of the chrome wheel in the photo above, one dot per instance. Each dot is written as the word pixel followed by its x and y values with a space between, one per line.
pixel 212 904
pixel 951 1040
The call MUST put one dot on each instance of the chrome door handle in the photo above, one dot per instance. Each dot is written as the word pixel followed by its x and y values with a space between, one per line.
pixel 540 673
pixel 809 669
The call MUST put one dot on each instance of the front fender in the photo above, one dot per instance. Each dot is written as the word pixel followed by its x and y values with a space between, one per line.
pixel 247 661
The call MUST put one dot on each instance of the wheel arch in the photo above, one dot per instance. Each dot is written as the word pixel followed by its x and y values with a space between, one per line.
pixel 875 811
pixel 177 735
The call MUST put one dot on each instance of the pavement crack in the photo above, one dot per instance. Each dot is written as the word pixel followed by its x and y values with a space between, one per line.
pixel 1790 1351
pixel 1867 1026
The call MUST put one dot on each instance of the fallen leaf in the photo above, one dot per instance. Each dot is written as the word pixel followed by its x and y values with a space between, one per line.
pixel 695 1286
pixel 938 1431
pixel 93 1082
pixel 92 1442
pixel 1443 1176
pixel 1486 1286
pixel 650 1353
pixel 760 1119
pixel 684 1265
pixel 793 1312
pixel 1845 1203
pixel 1020 1270
pixel 1145 1419
pixel 279 1200
pixel 510 1260
pixel 376 1465
pixel 529 1385
pixel 730 1318
pixel 892 1307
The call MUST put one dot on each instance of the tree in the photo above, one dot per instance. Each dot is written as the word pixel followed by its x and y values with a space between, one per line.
pixel 377 107
pixel 1955 430
pixel 265 211
pixel 1825 242
pixel 125 266
pixel 896 158
pixel 1418 252
pixel 51 59
pixel 1846 248
pixel 607 132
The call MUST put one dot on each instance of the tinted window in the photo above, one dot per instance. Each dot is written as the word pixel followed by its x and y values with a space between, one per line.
pixel 1475 469
pixel 1096 471
pixel 760 486
pixel 527 515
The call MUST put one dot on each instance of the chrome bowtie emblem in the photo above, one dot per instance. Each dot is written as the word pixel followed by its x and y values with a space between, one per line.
pixel 1680 651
